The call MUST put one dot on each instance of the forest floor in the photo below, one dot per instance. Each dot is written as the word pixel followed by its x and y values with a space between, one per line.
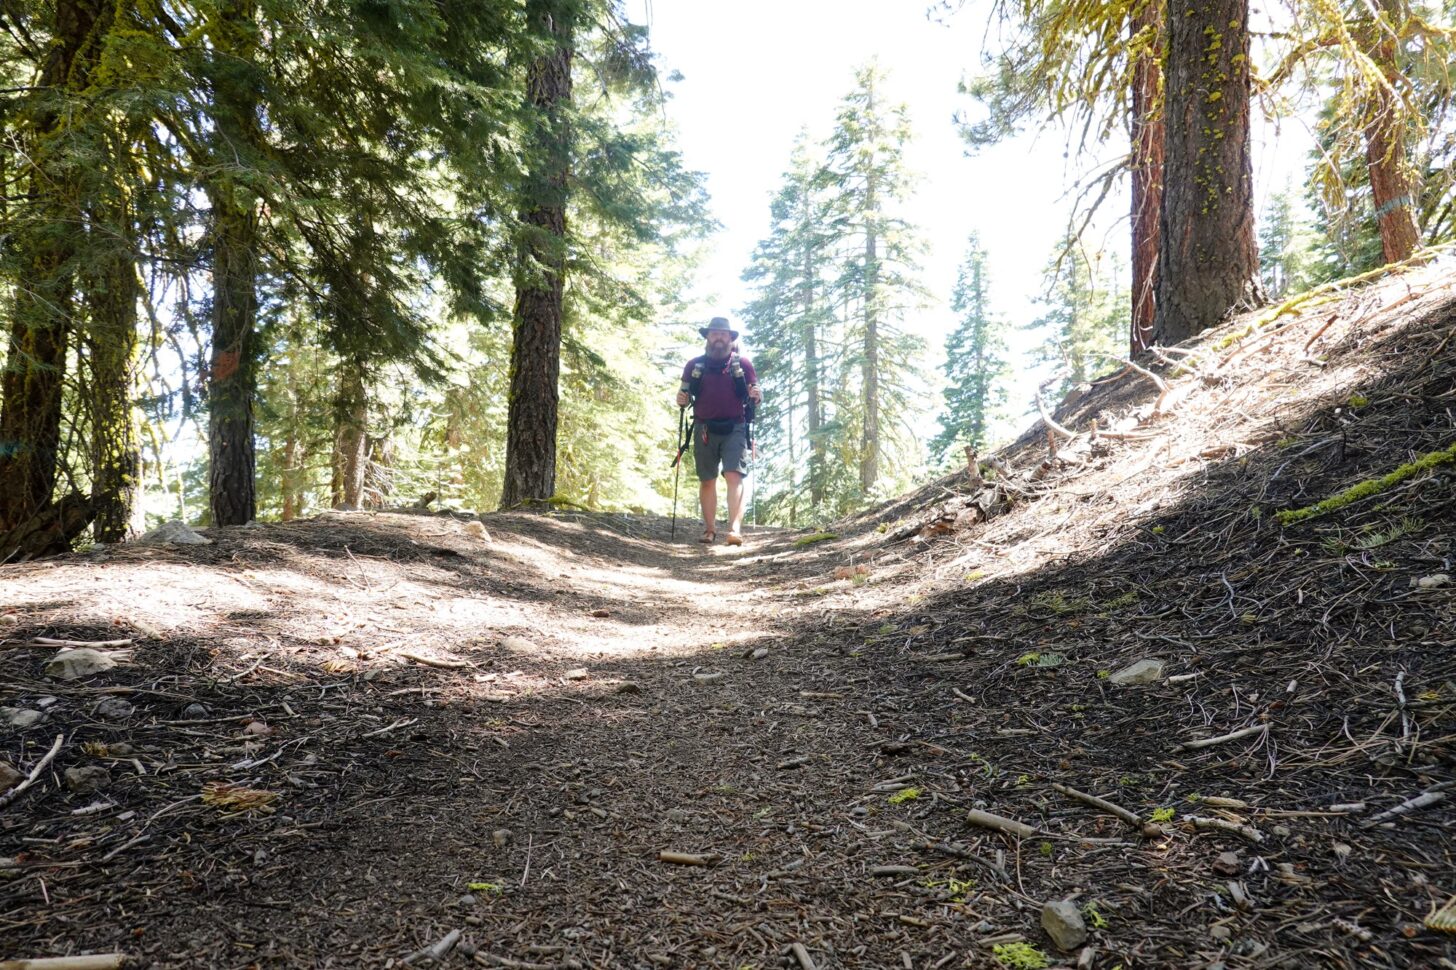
pixel 336 742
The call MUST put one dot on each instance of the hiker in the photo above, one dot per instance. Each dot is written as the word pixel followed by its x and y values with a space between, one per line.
pixel 722 388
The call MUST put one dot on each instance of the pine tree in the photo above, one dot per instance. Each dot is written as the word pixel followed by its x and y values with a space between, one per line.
pixel 865 180
pixel 1083 316
pixel 974 359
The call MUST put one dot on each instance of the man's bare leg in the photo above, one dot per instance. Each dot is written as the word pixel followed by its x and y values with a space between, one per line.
pixel 708 499
pixel 735 503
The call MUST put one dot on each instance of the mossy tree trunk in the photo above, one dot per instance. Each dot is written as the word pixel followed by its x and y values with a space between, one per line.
pixel 1208 260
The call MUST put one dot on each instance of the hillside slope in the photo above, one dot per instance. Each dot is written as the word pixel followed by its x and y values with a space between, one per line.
pixel 322 735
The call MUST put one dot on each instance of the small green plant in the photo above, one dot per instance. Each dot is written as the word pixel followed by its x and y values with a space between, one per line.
pixel 1022 781
pixel 1020 956
pixel 1372 538
pixel 882 528
pixel 904 795
pixel 1357 400
pixel 1059 603
pixel 1078 708
pixel 1161 815
pixel 814 537
pixel 1045 849
pixel 1103 674
pixel 1159 530
pixel 1094 918
pixel 886 629
pixel 494 888
pixel 1126 599
pixel 1027 659
pixel 975 574
pixel 1286 443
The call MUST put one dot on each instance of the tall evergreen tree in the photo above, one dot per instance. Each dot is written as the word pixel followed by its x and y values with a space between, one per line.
pixel 1082 319
pixel 866 181
pixel 974 359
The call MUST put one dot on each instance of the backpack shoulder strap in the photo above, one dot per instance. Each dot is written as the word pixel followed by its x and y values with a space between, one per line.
pixel 694 381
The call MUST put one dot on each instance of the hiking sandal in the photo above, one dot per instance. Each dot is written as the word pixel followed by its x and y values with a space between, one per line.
pixel 708 536
pixel 733 539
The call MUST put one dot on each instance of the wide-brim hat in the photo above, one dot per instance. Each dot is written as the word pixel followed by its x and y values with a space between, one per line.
pixel 720 324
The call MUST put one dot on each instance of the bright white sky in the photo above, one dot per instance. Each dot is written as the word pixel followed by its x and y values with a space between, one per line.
pixel 756 72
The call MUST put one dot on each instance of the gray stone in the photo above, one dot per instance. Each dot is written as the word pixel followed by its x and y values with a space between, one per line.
pixel 8 619
pixel 115 709
pixel 628 687
pixel 193 712
pixel 1063 923
pixel 518 645
pixel 1227 863
pixel 466 900
pixel 501 837
pixel 20 718
pixel 176 532
pixel 9 777
pixel 1142 672
pixel 1221 933
pixel 88 778
pixel 80 662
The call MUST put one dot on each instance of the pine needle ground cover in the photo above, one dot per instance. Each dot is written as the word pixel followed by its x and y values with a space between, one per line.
pixel 363 737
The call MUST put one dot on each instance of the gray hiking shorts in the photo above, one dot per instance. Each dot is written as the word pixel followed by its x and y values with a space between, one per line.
pixel 711 450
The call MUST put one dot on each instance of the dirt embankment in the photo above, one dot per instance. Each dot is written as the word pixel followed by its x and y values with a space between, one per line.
pixel 334 743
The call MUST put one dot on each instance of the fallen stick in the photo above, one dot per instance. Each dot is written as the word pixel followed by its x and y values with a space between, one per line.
pixel 436 951
pixel 95 961
pixel 1231 736
pixel 1149 829
pixel 987 820
pixel 14 793
pixel 686 858
pixel 93 644
pixel 806 962
pixel 420 658
pixel 894 871
pixel 1422 800
pixel 1222 825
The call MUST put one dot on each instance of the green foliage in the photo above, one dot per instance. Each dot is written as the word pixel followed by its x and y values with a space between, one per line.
pixel 975 362
pixel 1369 487
pixel 904 795
pixel 1020 956
pixel 1084 315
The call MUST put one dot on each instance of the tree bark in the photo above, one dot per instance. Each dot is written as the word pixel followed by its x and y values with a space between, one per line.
pixel 232 373
pixel 1208 260
pixel 351 439
pixel 35 361
pixel 811 385
pixel 1147 170
pixel 111 341
pixel 869 467
pixel 540 273
pixel 1392 185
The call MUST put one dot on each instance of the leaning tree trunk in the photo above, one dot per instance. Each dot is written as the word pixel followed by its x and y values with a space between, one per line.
pixel 1208 260
pixel 43 242
pixel 1147 169
pixel 540 273
pixel 1392 182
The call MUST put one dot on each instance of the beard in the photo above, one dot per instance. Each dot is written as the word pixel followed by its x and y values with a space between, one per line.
pixel 718 351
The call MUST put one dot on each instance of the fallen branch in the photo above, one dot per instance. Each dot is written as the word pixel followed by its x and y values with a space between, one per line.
pixel 1050 421
pixel 988 820
pixel 14 793
pixel 1222 825
pixel 95 961
pixel 1231 736
pixel 806 962
pixel 1423 800
pixel 687 858
pixel 420 658
pixel 1149 829
pixel 93 644
pixel 436 951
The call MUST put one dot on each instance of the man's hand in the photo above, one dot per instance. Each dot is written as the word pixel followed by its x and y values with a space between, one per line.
pixel 754 394
pixel 682 399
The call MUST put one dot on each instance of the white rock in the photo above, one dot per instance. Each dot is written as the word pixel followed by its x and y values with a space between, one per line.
pixel 1064 924
pixel 176 532
pixel 1142 672
pixel 577 673
pixel 520 644
pixel 1432 581
pixel 81 662
pixel 477 529
pixel 8 619
pixel 20 718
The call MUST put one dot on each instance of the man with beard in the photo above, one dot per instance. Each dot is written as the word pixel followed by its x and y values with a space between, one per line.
pixel 722 388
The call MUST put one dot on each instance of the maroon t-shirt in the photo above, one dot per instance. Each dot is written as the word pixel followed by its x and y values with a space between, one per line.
pixel 717 397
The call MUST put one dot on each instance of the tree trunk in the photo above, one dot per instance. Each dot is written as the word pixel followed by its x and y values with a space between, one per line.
pixel 1147 170
pixel 869 465
pixel 1208 260
pixel 540 273
pixel 1392 184
pixel 289 473
pixel 232 373
pixel 111 341
pixel 811 384
pixel 351 439
pixel 43 243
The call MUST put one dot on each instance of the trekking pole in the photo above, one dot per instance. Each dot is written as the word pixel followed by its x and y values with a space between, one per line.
pixel 677 467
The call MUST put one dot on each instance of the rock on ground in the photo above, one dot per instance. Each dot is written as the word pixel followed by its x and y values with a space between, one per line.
pixel 9 777
pixel 87 778
pixel 1142 672
pixel 80 662
pixel 1063 923
pixel 176 532
pixel 20 718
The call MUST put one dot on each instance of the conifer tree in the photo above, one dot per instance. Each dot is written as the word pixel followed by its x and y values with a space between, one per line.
pixel 974 359
pixel 1082 319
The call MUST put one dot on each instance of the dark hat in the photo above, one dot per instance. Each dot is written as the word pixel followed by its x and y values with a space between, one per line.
pixel 718 323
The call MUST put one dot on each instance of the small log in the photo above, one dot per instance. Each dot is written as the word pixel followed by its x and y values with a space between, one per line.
pixel 1231 736
pixel 987 820
pixel 806 962
pixel 93 644
pixel 894 871
pixel 95 961
pixel 1409 805
pixel 1222 825
pixel 1148 829
pixel 686 858
pixel 420 658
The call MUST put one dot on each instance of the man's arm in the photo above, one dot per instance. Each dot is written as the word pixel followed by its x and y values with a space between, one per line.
pixel 751 376
pixel 683 400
